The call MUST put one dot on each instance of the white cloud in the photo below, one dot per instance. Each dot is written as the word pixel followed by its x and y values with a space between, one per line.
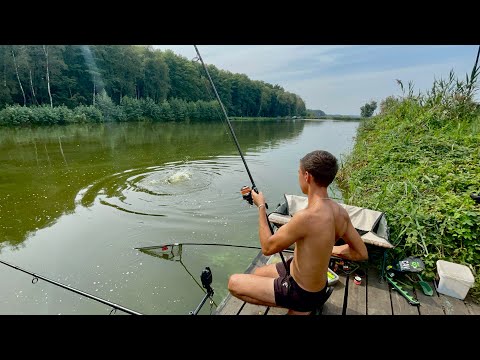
pixel 345 94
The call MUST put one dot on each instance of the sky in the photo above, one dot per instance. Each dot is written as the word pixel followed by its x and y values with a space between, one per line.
pixel 339 79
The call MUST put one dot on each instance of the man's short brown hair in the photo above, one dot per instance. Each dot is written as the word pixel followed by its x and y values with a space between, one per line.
pixel 321 165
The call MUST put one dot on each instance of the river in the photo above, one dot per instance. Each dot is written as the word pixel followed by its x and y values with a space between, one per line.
pixel 76 200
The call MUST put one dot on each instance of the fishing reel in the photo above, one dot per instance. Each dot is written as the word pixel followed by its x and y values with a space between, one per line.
pixel 246 192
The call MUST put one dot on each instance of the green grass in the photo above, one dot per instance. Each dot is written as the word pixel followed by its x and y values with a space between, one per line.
pixel 419 161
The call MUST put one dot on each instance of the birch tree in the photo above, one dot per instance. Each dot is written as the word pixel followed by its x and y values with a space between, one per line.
pixel 45 51
pixel 18 77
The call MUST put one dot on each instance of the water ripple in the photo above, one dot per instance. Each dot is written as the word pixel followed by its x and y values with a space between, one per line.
pixel 149 190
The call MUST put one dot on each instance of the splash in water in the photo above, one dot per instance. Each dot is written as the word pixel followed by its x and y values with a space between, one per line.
pixel 179 176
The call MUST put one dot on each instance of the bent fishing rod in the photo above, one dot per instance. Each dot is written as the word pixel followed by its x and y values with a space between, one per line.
pixel 246 194
pixel 165 247
pixel 93 297
pixel 154 247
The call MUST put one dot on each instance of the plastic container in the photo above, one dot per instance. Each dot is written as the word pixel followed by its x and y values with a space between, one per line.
pixel 332 277
pixel 454 279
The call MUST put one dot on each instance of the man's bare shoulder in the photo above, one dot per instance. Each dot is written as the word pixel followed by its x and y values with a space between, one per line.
pixel 300 215
pixel 342 211
pixel 309 215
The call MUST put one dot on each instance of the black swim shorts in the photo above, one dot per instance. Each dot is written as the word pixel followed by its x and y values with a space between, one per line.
pixel 290 295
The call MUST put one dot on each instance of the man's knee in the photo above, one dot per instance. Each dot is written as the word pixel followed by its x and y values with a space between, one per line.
pixel 233 283
pixel 258 271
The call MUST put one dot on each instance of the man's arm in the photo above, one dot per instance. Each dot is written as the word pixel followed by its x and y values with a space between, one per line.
pixel 354 249
pixel 283 237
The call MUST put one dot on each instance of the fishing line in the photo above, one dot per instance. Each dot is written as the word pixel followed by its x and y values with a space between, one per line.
pixel 217 111
pixel 226 117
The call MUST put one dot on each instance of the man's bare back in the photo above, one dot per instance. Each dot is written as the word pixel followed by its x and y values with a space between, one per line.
pixel 323 225
pixel 320 225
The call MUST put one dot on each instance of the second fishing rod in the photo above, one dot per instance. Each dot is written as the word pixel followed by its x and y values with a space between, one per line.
pixel 245 191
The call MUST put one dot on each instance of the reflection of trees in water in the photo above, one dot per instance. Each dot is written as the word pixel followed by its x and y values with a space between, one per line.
pixel 38 186
pixel 251 134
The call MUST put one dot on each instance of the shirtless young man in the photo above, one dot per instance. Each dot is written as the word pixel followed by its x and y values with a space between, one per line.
pixel 314 230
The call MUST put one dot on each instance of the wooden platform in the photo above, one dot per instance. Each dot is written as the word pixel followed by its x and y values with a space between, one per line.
pixel 374 296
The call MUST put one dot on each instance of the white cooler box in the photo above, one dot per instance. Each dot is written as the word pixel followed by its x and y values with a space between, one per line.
pixel 454 279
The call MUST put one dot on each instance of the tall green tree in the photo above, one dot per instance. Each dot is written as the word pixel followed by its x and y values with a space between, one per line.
pixel 155 82
pixel 73 75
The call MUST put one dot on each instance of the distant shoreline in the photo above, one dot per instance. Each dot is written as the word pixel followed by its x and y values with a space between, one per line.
pixel 326 117
pixel 338 117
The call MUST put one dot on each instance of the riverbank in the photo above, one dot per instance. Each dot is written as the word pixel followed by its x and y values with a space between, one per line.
pixel 418 161
pixel 129 111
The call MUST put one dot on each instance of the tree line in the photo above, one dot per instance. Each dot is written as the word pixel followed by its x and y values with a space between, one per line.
pixel 72 76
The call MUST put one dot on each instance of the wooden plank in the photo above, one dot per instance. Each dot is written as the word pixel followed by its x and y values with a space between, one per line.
pixel 429 305
pixel 401 306
pixel 378 294
pixel 251 309
pixel 229 306
pixel 472 308
pixel 334 304
pixel 357 297
pixel 453 306
pixel 449 304
pixel 277 311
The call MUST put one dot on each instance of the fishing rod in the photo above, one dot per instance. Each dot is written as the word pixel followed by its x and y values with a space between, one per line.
pixel 228 120
pixel 93 297
pixel 165 246
pixel 245 191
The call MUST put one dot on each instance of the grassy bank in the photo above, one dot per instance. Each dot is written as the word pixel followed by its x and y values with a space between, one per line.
pixel 418 161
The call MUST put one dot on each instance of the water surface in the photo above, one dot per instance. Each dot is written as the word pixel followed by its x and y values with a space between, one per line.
pixel 76 200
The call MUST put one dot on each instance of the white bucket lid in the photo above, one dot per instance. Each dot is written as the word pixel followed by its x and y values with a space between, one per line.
pixel 455 271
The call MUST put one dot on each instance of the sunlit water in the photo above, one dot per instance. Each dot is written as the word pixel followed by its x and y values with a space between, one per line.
pixel 76 200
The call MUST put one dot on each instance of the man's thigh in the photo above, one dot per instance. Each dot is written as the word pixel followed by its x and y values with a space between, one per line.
pixel 267 270
pixel 257 287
